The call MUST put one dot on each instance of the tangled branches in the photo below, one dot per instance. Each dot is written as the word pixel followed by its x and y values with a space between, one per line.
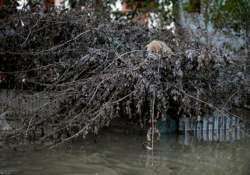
pixel 95 72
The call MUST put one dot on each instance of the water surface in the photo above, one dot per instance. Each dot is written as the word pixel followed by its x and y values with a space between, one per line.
pixel 115 154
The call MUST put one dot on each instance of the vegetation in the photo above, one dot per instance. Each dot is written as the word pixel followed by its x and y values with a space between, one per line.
pixel 91 70
pixel 233 14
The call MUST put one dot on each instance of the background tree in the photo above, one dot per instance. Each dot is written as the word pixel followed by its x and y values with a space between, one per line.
pixel 233 14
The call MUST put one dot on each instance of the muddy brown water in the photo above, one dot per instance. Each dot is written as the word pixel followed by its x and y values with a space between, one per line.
pixel 119 154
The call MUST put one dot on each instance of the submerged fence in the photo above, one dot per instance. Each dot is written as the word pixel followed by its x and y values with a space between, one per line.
pixel 213 128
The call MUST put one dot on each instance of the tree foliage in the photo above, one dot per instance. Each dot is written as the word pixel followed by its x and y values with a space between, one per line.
pixel 230 13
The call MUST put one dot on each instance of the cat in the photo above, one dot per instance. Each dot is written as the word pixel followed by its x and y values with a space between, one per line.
pixel 159 48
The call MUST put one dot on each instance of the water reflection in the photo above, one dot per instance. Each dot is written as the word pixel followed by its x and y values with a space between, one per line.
pixel 123 155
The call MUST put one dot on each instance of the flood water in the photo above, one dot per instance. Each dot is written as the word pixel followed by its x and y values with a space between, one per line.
pixel 116 154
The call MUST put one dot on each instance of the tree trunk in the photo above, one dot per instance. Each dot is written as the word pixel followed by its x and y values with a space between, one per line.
pixel 195 5
pixel 207 20
pixel 247 33
pixel 176 13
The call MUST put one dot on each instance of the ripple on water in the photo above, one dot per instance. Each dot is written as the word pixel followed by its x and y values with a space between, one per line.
pixel 127 157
